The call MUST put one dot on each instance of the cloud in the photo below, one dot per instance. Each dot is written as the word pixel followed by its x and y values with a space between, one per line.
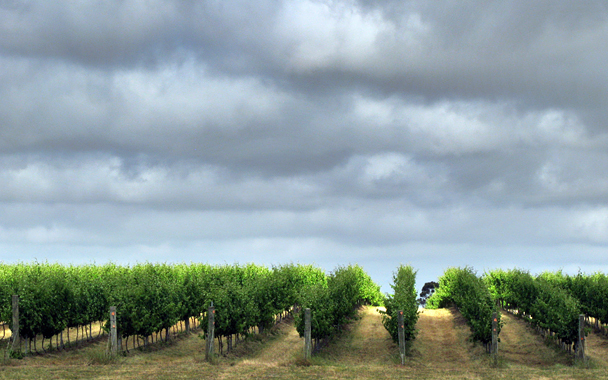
pixel 380 131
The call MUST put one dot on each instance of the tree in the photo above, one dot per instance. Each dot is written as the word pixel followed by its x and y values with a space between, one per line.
pixel 427 290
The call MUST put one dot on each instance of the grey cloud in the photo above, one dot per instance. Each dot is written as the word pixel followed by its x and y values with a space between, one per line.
pixel 375 224
pixel 464 130
pixel 538 55
pixel 90 33
pixel 485 49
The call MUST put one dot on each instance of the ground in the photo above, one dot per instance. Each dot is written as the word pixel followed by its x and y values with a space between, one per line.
pixel 363 350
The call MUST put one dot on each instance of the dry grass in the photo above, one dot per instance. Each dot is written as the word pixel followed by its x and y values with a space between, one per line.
pixel 596 347
pixel 440 342
pixel 363 342
pixel 520 346
pixel 93 332
pixel 280 347
pixel 364 351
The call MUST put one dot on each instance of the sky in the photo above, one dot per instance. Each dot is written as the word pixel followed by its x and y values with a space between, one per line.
pixel 430 133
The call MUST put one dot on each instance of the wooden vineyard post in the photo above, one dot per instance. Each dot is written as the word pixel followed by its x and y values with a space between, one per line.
pixel 210 333
pixel 401 335
pixel 15 330
pixel 307 335
pixel 580 345
pixel 113 331
pixel 494 347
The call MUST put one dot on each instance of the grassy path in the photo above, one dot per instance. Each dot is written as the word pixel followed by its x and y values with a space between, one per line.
pixel 597 349
pixel 520 345
pixel 281 350
pixel 364 342
pixel 439 344
pixel 369 340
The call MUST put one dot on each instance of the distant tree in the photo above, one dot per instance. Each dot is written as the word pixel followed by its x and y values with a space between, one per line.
pixel 427 290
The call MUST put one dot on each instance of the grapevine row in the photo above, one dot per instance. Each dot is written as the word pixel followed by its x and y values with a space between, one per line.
pixel 547 306
pixel 150 298
pixel 591 292
pixel 404 299
pixel 333 301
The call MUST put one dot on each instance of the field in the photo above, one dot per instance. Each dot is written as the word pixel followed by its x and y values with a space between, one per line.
pixel 363 350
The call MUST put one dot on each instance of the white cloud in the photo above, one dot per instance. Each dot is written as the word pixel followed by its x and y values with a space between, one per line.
pixel 592 225
pixel 329 35
pixel 186 97
pixel 40 234
pixel 560 127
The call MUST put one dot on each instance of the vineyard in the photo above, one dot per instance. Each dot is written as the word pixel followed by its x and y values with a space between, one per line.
pixel 151 299
pixel 259 323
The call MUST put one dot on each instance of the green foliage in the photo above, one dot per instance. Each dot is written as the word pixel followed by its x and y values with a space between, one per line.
pixel 443 294
pixel 590 291
pixel 12 354
pixel 592 294
pixel 556 310
pixel 44 298
pixel 249 296
pixel 462 287
pixel 333 300
pixel 318 299
pixel 152 297
pixel 288 282
pixel 545 299
pixel 369 291
pixel 515 289
pixel 192 283
pixel 404 299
